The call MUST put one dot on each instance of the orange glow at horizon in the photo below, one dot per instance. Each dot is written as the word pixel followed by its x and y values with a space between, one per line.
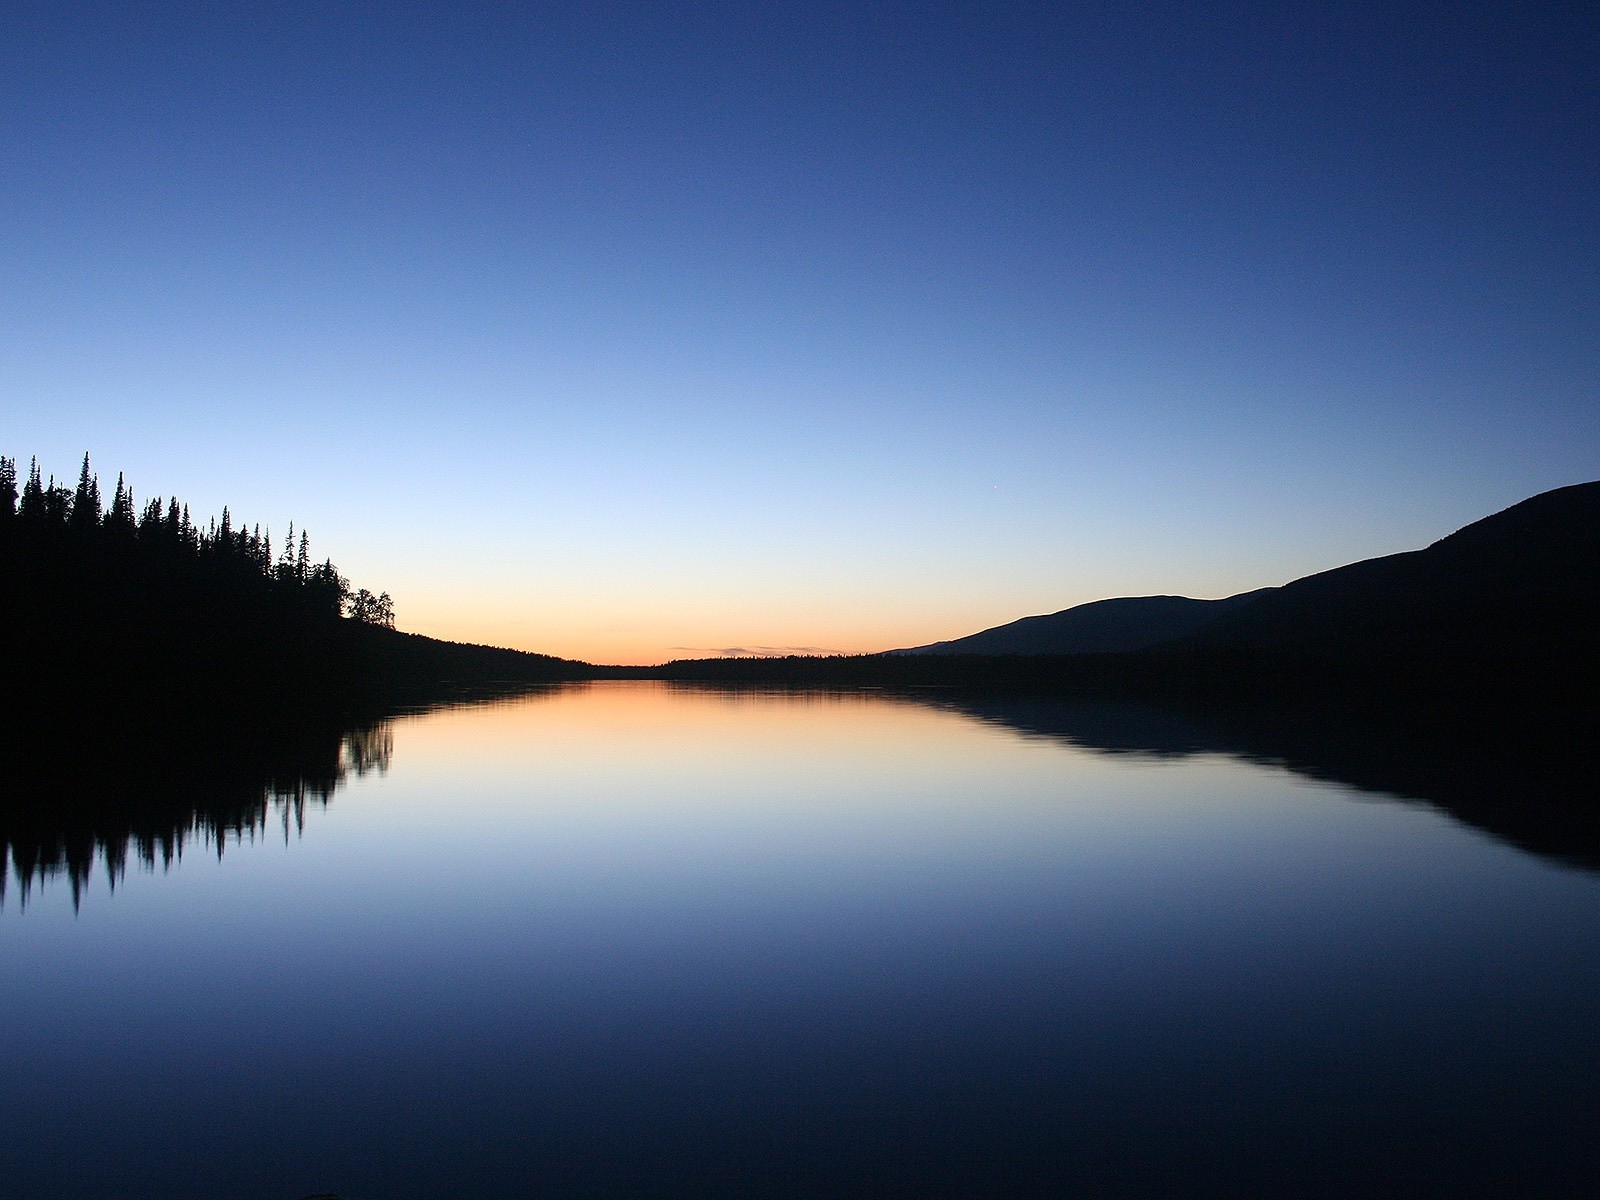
pixel 615 644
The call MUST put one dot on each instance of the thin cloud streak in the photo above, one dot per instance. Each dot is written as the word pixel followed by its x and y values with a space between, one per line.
pixel 750 651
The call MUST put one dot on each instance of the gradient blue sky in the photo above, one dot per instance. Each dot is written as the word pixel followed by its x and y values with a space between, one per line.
pixel 627 331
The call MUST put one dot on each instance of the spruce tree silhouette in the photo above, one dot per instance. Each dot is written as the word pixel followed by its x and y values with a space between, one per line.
pixel 133 611
pixel 8 490
pixel 85 514
pixel 32 507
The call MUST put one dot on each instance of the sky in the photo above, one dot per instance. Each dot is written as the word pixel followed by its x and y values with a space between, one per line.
pixel 628 332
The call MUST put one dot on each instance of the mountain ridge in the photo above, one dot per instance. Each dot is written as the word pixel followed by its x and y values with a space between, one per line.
pixel 1118 625
pixel 1523 580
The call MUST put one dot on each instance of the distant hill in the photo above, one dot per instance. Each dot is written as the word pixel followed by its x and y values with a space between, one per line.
pixel 1117 626
pixel 1521 585
pixel 1519 590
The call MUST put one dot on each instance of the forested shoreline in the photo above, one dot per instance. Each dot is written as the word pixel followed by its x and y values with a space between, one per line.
pixel 168 681
pixel 118 611
pixel 70 536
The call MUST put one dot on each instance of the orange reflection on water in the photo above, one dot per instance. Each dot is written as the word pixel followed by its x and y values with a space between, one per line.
pixel 647 718
pixel 676 753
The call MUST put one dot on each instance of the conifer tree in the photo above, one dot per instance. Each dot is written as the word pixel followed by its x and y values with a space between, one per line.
pixel 57 503
pixel 86 510
pixel 120 519
pixel 8 489
pixel 285 567
pixel 33 506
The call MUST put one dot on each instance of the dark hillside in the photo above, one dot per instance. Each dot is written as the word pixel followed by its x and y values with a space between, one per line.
pixel 1503 614
pixel 1116 626
pixel 1517 590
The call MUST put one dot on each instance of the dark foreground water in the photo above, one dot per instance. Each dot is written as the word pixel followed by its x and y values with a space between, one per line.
pixel 625 940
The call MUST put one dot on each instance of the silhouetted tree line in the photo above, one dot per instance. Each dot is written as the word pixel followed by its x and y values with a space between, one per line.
pixel 48 527
pixel 114 613
pixel 110 607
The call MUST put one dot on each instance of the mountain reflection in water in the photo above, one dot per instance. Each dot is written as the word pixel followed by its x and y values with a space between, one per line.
pixel 634 939
pixel 66 809
pixel 1529 780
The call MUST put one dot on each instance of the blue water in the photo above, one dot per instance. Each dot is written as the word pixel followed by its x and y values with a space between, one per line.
pixel 629 940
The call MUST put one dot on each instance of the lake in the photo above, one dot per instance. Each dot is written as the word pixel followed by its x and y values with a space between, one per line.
pixel 636 939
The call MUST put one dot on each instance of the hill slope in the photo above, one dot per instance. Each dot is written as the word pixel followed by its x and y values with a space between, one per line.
pixel 1516 593
pixel 1117 626
pixel 1521 585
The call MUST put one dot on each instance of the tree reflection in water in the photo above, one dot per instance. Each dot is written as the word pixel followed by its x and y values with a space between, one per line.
pixel 147 798
pixel 66 806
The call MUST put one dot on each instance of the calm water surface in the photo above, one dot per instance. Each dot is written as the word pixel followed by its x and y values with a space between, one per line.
pixel 629 940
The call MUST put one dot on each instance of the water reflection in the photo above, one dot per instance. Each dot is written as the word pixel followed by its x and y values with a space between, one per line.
pixel 623 940
pixel 1528 781
pixel 68 810
pixel 65 811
